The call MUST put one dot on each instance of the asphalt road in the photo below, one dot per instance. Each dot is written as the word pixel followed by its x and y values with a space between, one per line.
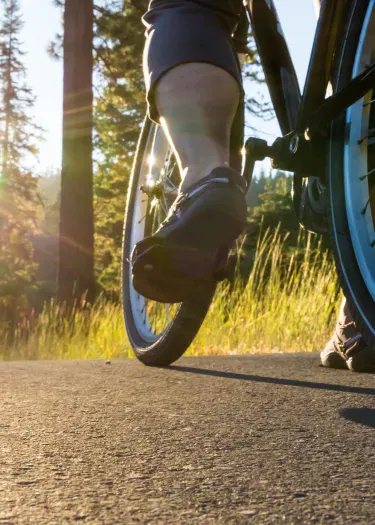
pixel 259 439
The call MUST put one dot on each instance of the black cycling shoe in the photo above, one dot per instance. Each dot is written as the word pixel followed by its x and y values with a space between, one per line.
pixel 169 265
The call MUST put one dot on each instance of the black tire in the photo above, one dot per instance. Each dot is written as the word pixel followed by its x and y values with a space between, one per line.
pixel 180 333
pixel 360 301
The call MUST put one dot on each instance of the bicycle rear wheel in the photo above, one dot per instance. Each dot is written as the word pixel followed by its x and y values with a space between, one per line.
pixel 159 334
pixel 351 180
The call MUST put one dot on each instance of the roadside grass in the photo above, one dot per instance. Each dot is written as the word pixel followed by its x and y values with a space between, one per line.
pixel 285 306
pixel 288 304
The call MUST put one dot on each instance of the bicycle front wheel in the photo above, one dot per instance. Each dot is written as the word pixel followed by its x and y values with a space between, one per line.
pixel 351 175
pixel 159 333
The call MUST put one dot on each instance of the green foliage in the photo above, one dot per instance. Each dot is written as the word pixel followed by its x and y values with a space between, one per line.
pixel 18 197
pixel 119 112
pixel 49 195
pixel 270 207
pixel 45 242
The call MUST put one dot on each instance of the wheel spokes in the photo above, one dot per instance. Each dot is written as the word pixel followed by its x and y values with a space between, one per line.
pixel 159 190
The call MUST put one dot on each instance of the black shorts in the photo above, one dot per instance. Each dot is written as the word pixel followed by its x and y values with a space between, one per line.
pixel 182 31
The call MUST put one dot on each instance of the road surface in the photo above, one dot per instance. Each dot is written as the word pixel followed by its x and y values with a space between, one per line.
pixel 258 439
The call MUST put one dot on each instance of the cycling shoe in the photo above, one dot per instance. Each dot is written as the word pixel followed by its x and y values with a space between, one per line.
pixel 169 265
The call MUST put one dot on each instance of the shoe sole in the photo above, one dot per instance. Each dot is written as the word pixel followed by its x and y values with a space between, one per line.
pixel 333 360
pixel 362 362
pixel 162 286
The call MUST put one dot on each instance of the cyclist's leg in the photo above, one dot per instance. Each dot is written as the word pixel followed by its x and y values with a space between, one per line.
pixel 193 86
pixel 192 79
pixel 198 103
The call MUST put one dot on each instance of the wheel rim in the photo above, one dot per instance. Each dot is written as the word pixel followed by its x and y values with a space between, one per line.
pixel 359 161
pixel 157 189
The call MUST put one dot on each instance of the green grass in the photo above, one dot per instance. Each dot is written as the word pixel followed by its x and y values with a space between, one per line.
pixel 288 304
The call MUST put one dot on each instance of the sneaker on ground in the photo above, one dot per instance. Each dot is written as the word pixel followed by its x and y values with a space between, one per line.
pixel 169 265
pixel 347 348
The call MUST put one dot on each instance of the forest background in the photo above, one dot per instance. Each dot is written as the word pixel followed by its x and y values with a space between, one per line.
pixel 30 219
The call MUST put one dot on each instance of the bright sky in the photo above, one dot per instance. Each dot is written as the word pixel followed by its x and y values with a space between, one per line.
pixel 42 21
pixel 44 75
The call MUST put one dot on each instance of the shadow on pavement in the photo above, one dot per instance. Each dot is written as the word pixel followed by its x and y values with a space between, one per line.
pixel 363 416
pixel 274 380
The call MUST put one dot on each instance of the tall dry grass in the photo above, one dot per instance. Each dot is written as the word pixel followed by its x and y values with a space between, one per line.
pixel 285 305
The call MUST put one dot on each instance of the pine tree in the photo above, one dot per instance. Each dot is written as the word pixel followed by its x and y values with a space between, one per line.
pixel 18 197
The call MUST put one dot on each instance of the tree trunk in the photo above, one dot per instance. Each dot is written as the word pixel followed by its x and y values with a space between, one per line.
pixel 76 249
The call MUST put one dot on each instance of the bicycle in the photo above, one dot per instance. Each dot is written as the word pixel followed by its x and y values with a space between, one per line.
pixel 328 143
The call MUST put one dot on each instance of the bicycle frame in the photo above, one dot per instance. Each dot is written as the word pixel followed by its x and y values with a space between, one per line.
pixel 308 114
pixel 303 120
pixel 293 111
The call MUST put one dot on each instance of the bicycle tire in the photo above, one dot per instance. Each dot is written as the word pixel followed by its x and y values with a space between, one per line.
pixel 180 333
pixel 361 300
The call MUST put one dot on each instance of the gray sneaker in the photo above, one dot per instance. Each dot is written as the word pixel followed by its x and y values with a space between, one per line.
pixel 347 348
